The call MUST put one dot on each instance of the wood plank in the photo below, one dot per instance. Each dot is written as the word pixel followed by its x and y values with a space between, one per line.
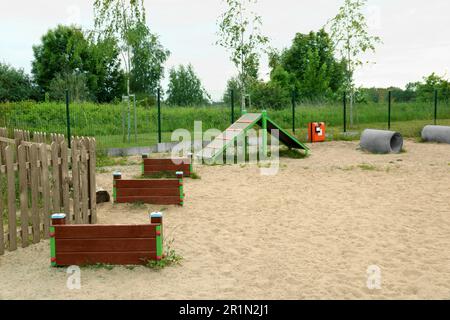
pixel 35 194
pixel 2 207
pixel 12 214
pixel 84 186
pixel 76 181
pixel 45 189
pixel 172 161
pixel 150 200
pixel 144 192
pixel 105 231
pixel 56 190
pixel 168 167
pixel 92 181
pixel 23 185
pixel 105 245
pixel 65 181
pixel 117 258
pixel 150 184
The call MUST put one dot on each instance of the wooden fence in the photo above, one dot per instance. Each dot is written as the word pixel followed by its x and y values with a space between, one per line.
pixel 38 179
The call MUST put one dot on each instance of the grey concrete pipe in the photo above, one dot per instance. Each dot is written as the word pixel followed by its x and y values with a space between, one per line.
pixel 436 134
pixel 379 141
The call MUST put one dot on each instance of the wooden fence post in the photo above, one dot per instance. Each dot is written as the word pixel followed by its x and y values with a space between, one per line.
pixel 65 181
pixel 35 194
pixel 23 185
pixel 11 178
pixel 92 181
pixel 2 240
pixel 76 180
pixel 45 189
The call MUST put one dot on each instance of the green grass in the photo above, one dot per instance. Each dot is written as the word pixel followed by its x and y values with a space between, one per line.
pixel 367 167
pixel 104 122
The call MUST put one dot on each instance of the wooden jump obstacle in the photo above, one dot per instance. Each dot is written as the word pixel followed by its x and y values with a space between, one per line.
pixel 83 245
pixel 154 166
pixel 151 191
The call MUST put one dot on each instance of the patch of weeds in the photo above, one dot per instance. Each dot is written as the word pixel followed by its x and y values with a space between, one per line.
pixel 195 176
pixel 99 266
pixel 293 154
pixel 130 267
pixel 347 168
pixel 170 258
pixel 404 150
pixel 102 170
pixel 367 167
pixel 264 164
pixel 137 205
pixel 159 175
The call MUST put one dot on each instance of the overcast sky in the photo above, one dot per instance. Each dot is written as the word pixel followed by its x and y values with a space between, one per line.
pixel 414 33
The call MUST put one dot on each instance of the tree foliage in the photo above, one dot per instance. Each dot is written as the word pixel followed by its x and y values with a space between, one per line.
pixel 15 85
pixel 350 33
pixel 65 59
pixel 142 54
pixel 240 33
pixel 147 61
pixel 185 88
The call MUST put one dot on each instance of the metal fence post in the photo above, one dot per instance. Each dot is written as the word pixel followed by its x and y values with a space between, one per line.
pixel 293 111
pixel 345 112
pixel 159 116
pixel 389 109
pixel 68 119
pixel 232 106
pixel 435 106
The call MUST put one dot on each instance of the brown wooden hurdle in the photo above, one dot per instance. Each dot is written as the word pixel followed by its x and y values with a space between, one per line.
pixel 155 166
pixel 151 191
pixel 105 244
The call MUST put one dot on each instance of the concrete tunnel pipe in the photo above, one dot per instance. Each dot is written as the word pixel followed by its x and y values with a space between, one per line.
pixel 436 134
pixel 380 141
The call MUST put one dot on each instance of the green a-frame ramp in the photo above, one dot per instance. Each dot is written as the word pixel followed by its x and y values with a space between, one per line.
pixel 228 138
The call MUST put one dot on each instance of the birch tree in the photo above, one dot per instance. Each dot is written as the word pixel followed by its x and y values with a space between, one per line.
pixel 350 33
pixel 240 33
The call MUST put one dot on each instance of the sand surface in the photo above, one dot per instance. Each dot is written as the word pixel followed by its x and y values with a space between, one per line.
pixel 309 232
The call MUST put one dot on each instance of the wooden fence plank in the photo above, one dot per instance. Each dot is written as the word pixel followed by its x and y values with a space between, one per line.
pixel 92 180
pixel 45 189
pixel 12 225
pixel 2 232
pixel 84 185
pixel 56 178
pixel 65 181
pixel 35 194
pixel 76 180
pixel 23 185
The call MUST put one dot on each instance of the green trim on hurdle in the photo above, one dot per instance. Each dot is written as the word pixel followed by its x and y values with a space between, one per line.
pixel 159 243
pixel 57 219
pixel 52 247
pixel 116 176
pixel 180 175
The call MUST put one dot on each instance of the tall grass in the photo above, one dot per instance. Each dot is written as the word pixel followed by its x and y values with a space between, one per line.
pixel 106 121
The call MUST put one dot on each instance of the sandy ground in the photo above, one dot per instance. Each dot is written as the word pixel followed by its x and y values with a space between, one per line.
pixel 309 232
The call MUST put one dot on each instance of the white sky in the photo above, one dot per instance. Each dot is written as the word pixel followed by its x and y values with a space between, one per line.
pixel 414 32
